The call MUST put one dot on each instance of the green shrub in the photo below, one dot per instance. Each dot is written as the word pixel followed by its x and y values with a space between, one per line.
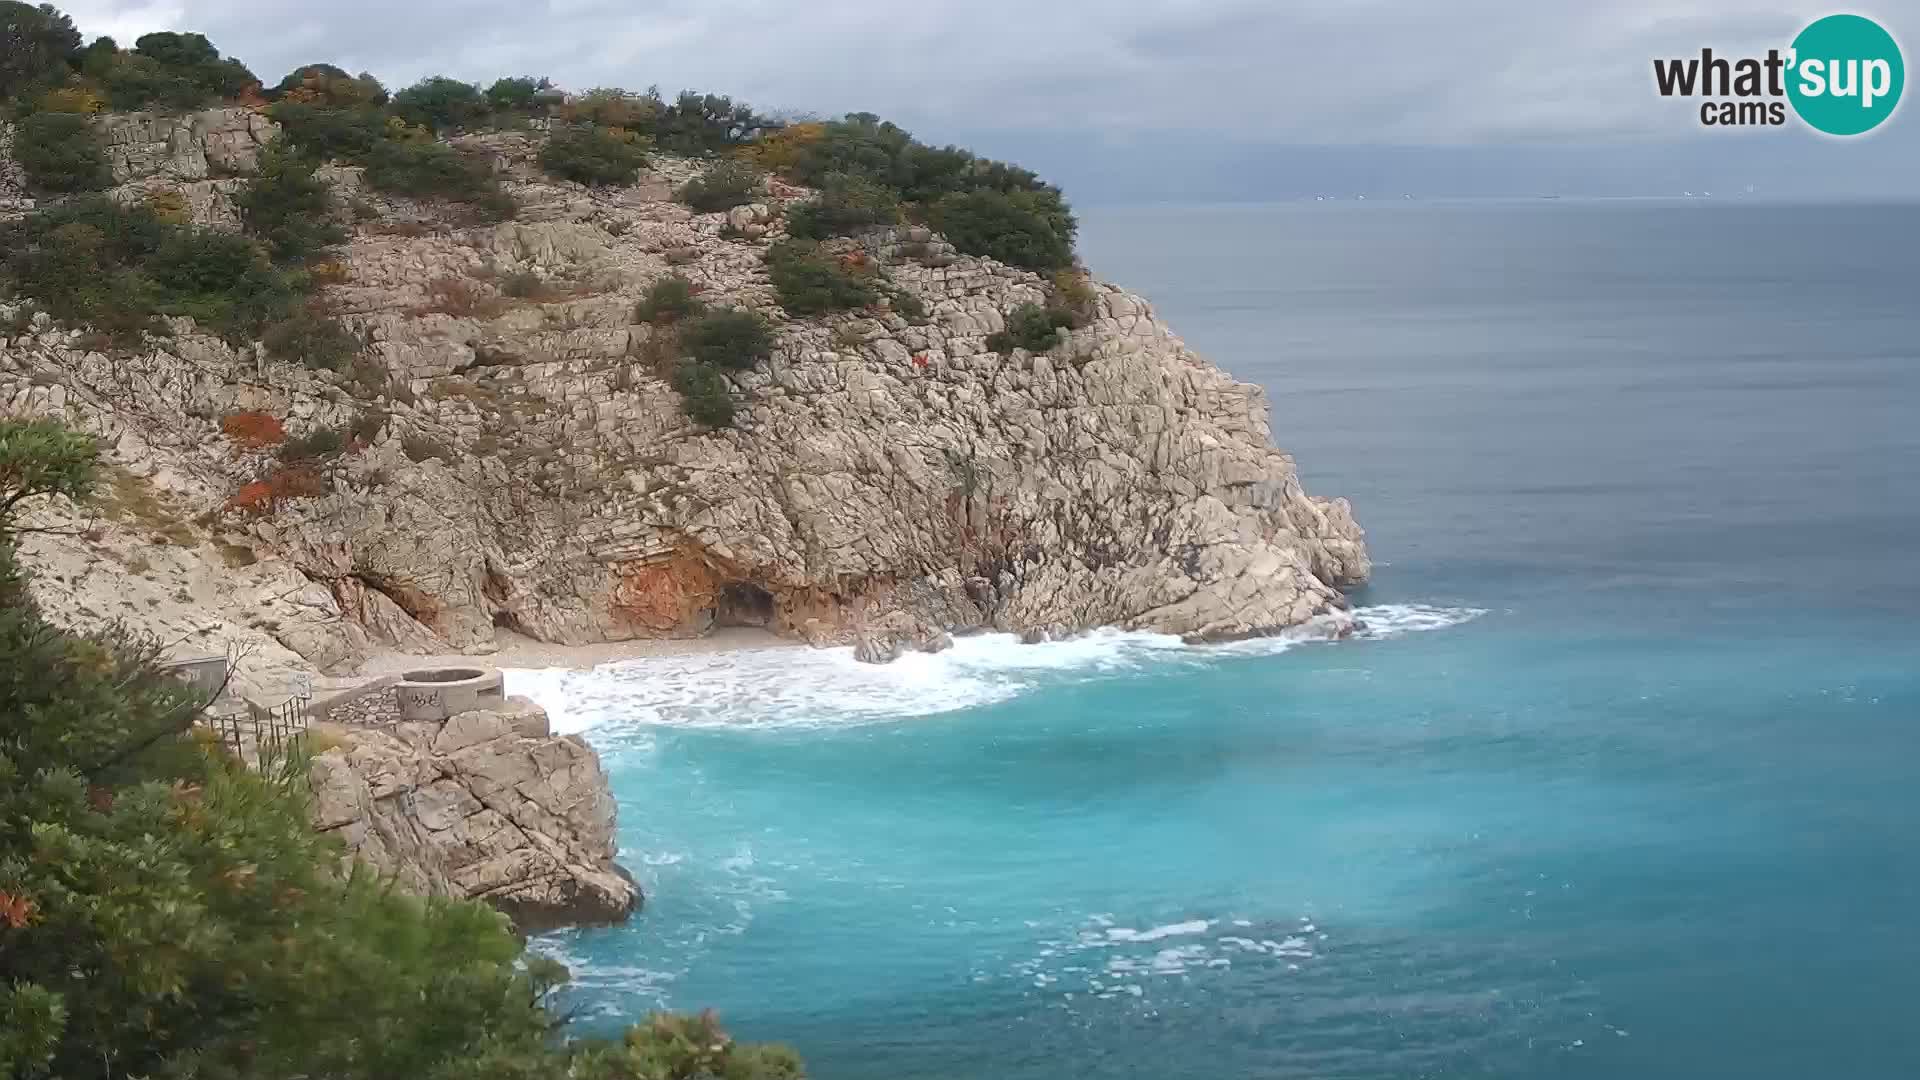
pixel 436 170
pixel 670 1047
pixel 313 340
pixel 812 283
pixel 593 155
pixel 515 94
pixel 223 281
pixel 906 303
pixel 441 104
pixel 37 46
pixel 288 208
pixel 326 133
pixel 168 71
pixel 1020 228
pixel 318 443
pixel 695 124
pixel 734 338
pixel 420 448
pixel 705 394
pixel 722 186
pixel 61 152
pixel 329 86
pixel 1030 327
pixel 846 204
pixel 669 299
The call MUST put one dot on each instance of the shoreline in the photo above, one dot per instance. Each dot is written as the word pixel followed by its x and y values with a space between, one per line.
pixel 518 651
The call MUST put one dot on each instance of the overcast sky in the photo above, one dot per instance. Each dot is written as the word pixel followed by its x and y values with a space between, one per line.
pixel 1120 101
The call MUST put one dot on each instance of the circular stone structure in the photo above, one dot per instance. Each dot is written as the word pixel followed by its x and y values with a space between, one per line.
pixel 439 693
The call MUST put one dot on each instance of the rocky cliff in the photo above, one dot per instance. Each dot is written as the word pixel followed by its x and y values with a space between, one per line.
pixel 523 465
pixel 485 806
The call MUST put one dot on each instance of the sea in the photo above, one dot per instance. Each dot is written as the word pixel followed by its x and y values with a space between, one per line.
pixel 1621 781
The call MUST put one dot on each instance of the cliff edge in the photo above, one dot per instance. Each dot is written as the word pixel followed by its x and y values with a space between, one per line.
pixel 486 805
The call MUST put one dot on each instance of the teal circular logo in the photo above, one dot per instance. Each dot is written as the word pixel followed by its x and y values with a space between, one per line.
pixel 1846 75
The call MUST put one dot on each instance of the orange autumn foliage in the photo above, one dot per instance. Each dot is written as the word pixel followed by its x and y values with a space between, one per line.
pixel 253 430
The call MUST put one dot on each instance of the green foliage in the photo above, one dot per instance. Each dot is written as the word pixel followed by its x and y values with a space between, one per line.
pixel 846 204
pixel 1020 228
pixel 1030 327
pixel 169 71
pixel 696 124
pixel 288 208
pixel 593 155
pixel 168 911
pixel 436 170
pixel 222 281
pixel 99 264
pixel 61 152
pixel 669 1047
pixel 722 186
pixel 441 104
pixel 733 338
pixel 330 87
pixel 311 339
pixel 810 282
pixel 705 394
pixel 986 207
pixel 515 94
pixel 669 299
pixel 328 133
pixel 41 458
pixel 315 444
pixel 38 45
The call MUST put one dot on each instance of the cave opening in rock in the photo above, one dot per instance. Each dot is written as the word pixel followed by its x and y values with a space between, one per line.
pixel 743 604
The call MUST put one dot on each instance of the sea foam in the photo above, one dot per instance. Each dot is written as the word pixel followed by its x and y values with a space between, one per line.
pixel 787 687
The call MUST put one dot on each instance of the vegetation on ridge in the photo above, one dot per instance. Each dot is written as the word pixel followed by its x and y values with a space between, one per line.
pixel 167 911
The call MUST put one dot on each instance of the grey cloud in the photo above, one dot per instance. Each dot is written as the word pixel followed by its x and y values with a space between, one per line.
pixel 1309 73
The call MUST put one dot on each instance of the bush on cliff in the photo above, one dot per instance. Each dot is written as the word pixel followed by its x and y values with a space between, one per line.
pixel 440 104
pixel 61 153
pixel 705 393
pixel 436 170
pixel 733 338
pixel 311 339
pixel 846 204
pixel 168 911
pixel 1020 228
pixel 288 208
pixel 811 282
pixel 111 267
pixel 1030 327
pixel 594 156
pixel 668 300
pixel 167 71
pixel 325 132
pixel 722 186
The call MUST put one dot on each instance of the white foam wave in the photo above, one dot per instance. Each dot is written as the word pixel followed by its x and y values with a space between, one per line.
pixel 1107 961
pixel 800 687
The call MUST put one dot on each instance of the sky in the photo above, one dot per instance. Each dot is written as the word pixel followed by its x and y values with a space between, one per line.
pixel 1178 100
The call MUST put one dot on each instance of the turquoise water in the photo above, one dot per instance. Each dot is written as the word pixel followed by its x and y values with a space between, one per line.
pixel 1620 784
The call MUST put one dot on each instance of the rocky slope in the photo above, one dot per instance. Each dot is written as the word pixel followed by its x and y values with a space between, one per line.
pixel 485 806
pixel 886 479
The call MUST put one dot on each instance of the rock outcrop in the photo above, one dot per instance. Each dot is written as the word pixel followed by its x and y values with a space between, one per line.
pixel 487 806
pixel 526 467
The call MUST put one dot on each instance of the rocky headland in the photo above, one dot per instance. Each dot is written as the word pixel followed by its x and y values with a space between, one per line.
pixel 517 462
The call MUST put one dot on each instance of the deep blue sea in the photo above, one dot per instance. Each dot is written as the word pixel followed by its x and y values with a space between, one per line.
pixel 1624 784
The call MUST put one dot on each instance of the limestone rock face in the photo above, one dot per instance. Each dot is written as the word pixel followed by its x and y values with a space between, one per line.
pixel 527 466
pixel 486 806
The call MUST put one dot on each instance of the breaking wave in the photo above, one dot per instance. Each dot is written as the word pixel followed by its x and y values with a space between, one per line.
pixel 790 687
